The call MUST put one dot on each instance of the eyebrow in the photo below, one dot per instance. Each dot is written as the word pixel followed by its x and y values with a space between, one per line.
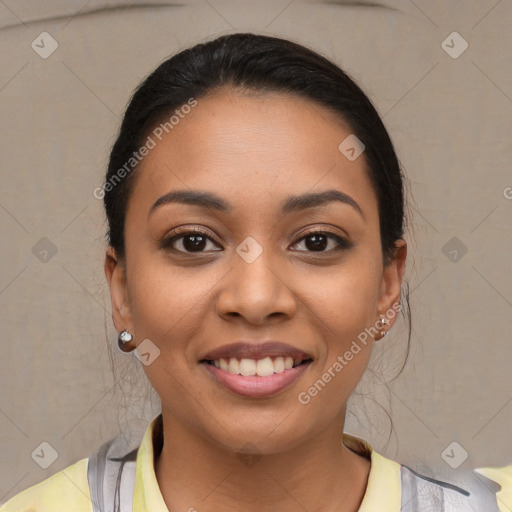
pixel 292 203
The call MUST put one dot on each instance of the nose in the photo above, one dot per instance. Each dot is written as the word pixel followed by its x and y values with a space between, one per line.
pixel 257 291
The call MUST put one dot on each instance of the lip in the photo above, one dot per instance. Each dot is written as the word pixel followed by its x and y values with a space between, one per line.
pixel 255 350
pixel 256 386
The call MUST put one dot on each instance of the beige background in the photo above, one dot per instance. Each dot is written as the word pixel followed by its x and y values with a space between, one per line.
pixel 450 119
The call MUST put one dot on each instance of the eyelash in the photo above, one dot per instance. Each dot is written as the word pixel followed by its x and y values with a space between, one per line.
pixel 167 242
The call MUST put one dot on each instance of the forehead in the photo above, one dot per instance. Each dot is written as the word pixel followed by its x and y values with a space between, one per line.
pixel 252 149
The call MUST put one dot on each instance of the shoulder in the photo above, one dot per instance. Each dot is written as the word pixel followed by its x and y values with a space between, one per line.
pixel 503 478
pixel 64 491
pixel 466 491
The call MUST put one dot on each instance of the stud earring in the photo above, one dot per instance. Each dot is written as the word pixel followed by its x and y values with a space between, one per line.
pixel 383 321
pixel 123 341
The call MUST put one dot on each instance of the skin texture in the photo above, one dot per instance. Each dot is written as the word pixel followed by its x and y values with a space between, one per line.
pixel 254 151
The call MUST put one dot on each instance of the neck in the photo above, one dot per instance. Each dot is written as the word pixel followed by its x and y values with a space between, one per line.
pixel 318 474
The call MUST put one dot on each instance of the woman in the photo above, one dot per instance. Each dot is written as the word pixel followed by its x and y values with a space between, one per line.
pixel 256 253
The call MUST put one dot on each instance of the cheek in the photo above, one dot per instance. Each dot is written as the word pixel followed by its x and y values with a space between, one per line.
pixel 345 298
pixel 341 309
pixel 343 306
pixel 166 302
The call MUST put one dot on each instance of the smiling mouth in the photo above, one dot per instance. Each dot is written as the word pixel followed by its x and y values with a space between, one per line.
pixel 256 367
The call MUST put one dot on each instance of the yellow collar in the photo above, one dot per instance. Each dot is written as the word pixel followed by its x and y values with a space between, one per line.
pixel 383 491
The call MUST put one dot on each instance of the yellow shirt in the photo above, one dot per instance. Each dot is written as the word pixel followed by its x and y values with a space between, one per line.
pixel 68 490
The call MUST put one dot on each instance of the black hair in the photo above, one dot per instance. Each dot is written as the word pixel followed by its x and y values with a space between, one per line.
pixel 256 63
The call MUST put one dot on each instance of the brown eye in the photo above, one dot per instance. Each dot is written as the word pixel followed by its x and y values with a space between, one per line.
pixel 322 241
pixel 189 242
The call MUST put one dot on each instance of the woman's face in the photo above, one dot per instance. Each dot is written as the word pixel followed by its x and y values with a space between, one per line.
pixel 258 273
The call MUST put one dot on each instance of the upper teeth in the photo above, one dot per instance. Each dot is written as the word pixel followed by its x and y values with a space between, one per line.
pixel 260 367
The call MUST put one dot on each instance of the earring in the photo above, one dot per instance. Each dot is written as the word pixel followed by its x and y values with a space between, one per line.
pixel 383 321
pixel 123 340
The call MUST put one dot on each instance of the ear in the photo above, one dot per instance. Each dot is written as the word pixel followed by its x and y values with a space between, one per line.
pixel 115 271
pixel 392 281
